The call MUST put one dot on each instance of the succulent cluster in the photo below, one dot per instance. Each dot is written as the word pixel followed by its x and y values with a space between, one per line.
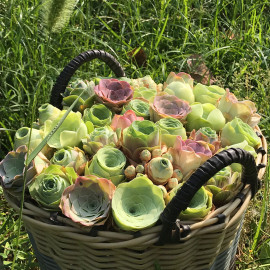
pixel 128 147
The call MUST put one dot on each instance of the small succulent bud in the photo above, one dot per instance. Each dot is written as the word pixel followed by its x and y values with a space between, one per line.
pixel 177 174
pixel 173 182
pixel 139 174
pixel 145 155
pixel 130 172
pixel 168 156
pixel 164 191
pixel 139 168
pixel 156 153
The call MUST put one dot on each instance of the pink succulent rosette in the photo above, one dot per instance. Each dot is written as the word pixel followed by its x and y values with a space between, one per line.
pixel 188 155
pixel 179 77
pixel 231 107
pixel 88 201
pixel 114 93
pixel 169 106
pixel 125 120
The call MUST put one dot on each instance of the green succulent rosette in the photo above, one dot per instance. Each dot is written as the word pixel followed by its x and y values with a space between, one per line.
pixel 140 107
pixel 99 138
pixel 205 115
pixel 88 201
pixel 236 131
pixel 138 136
pixel 98 114
pixel 70 133
pixel 47 111
pixel 199 206
pixel 47 188
pixel 70 157
pixel 108 163
pixel 170 128
pixel 137 205
pixel 208 94
pixel 145 93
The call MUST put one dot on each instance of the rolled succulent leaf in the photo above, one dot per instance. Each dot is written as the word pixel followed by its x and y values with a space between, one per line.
pixel 169 106
pixel 70 133
pixel 138 136
pixel 140 107
pixel 180 85
pixel 12 171
pixel 113 93
pixel 245 110
pixel 137 205
pixel 237 131
pixel 108 163
pixel 125 120
pixel 198 208
pixel 47 188
pixel 159 170
pixel 208 94
pixel 98 114
pixel 23 134
pixel 99 138
pixel 88 201
pixel 70 157
pixel 205 115
pixel 188 155
pixel 171 128
pixel 47 111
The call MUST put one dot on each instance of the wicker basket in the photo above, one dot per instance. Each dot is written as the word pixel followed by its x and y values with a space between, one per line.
pixel 211 244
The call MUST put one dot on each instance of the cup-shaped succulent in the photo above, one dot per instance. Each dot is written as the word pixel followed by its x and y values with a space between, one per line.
pixel 70 157
pixel 114 93
pixel 245 110
pixel 137 205
pixel 98 114
pixel 138 136
pixel 237 131
pixel 170 128
pixel 199 206
pixel 159 170
pixel 181 86
pixel 12 171
pixel 47 188
pixel 47 111
pixel 169 106
pixel 208 94
pixel 88 201
pixel 108 163
pixel 140 107
pixel 99 138
pixel 205 115
pixel 23 135
pixel 70 133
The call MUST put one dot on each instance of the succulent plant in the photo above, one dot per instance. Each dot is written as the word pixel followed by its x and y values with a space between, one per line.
pixel 12 169
pixel 136 205
pixel 205 115
pixel 99 138
pixel 47 188
pixel 108 163
pixel 140 107
pixel 169 106
pixel 70 133
pixel 47 111
pixel 245 110
pixel 113 93
pixel 170 128
pixel 208 94
pixel 88 201
pixel 70 157
pixel 237 131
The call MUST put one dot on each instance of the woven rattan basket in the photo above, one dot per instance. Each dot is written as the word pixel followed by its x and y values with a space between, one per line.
pixel 59 243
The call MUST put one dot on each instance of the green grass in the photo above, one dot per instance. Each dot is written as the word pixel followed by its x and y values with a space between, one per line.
pixel 233 37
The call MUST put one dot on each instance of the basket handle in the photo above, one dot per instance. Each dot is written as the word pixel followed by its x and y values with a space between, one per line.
pixel 65 76
pixel 213 165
